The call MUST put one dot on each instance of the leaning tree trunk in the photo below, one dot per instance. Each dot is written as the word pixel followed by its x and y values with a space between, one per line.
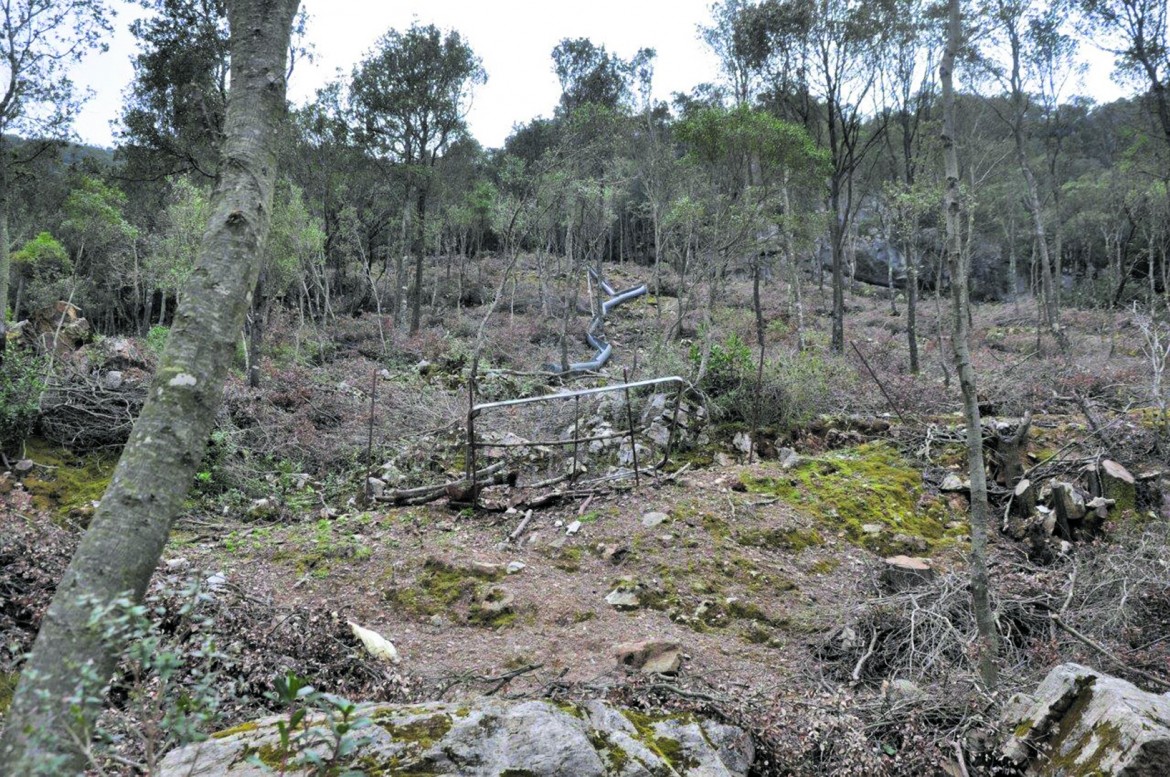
pixel 980 593
pixel 5 255
pixel 119 552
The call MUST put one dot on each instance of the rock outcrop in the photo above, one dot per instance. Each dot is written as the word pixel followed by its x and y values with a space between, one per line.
pixel 1080 721
pixel 490 738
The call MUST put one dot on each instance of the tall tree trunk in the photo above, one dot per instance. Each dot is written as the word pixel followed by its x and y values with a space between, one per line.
pixel 757 305
pixel 420 249
pixel 980 586
pixel 794 269
pixel 120 550
pixel 837 251
pixel 5 254
pixel 1032 200
pixel 912 307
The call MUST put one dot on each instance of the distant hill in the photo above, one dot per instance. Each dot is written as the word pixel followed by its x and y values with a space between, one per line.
pixel 70 153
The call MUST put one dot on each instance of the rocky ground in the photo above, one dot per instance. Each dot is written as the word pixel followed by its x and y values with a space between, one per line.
pixel 757 592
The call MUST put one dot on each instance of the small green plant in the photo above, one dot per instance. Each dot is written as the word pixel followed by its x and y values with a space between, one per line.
pixel 156 339
pixel 728 366
pixel 170 677
pixel 321 731
pixel 20 392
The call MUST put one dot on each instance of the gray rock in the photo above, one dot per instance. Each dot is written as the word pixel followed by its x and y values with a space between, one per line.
pixel 659 434
pixel 515 566
pixel 952 483
pixel 651 656
pixel 742 442
pixel 652 519
pixel 112 380
pixel 573 528
pixel 1085 722
pixel 626 455
pixel 788 458
pixel 623 600
pixel 376 486
pixel 262 508
pixel 491 737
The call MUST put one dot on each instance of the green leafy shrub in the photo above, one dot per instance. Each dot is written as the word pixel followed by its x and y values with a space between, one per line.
pixel 21 383
pixel 156 339
pixel 728 367
pixel 43 265
pixel 793 389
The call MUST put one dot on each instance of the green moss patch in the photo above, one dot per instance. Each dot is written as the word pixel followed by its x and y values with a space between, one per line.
pixel 64 484
pixel 669 750
pixel 422 732
pixel 791 540
pixel 465 594
pixel 240 729
pixel 872 484
pixel 7 689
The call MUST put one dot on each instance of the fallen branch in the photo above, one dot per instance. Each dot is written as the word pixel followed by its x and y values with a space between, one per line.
pixel 515 535
pixel 669 688
pixel 861 661
pixel 504 679
pixel 432 492
pixel 1088 642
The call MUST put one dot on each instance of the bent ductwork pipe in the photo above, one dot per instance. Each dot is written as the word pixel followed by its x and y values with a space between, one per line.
pixel 624 296
pixel 604 349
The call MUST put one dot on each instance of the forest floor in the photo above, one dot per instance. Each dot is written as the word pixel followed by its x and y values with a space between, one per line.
pixel 767 574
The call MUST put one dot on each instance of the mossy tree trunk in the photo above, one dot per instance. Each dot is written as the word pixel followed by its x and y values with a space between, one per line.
pixel 119 552
pixel 980 586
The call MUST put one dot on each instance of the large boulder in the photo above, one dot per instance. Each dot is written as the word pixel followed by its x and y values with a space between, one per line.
pixel 58 327
pixel 1080 721
pixel 491 738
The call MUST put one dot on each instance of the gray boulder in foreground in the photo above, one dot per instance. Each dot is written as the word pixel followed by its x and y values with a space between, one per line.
pixel 1080 721
pixel 492 738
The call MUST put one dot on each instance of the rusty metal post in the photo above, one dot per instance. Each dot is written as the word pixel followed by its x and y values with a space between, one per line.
pixel 576 433
pixel 673 426
pixel 368 490
pixel 471 413
pixel 630 418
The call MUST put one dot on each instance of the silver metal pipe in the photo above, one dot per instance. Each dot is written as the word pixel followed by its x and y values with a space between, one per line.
pixel 624 296
pixel 579 393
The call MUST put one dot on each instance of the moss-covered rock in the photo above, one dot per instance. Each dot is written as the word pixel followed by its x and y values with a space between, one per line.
pixel 1081 722
pixel 481 738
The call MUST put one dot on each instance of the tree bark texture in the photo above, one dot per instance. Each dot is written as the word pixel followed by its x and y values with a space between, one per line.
pixel 980 593
pixel 5 254
pixel 119 552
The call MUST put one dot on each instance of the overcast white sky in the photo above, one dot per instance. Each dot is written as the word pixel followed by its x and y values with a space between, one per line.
pixel 513 37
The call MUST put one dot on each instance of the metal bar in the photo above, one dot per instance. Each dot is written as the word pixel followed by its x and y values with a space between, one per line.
pixel 477 409
pixel 551 443
pixel 630 420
